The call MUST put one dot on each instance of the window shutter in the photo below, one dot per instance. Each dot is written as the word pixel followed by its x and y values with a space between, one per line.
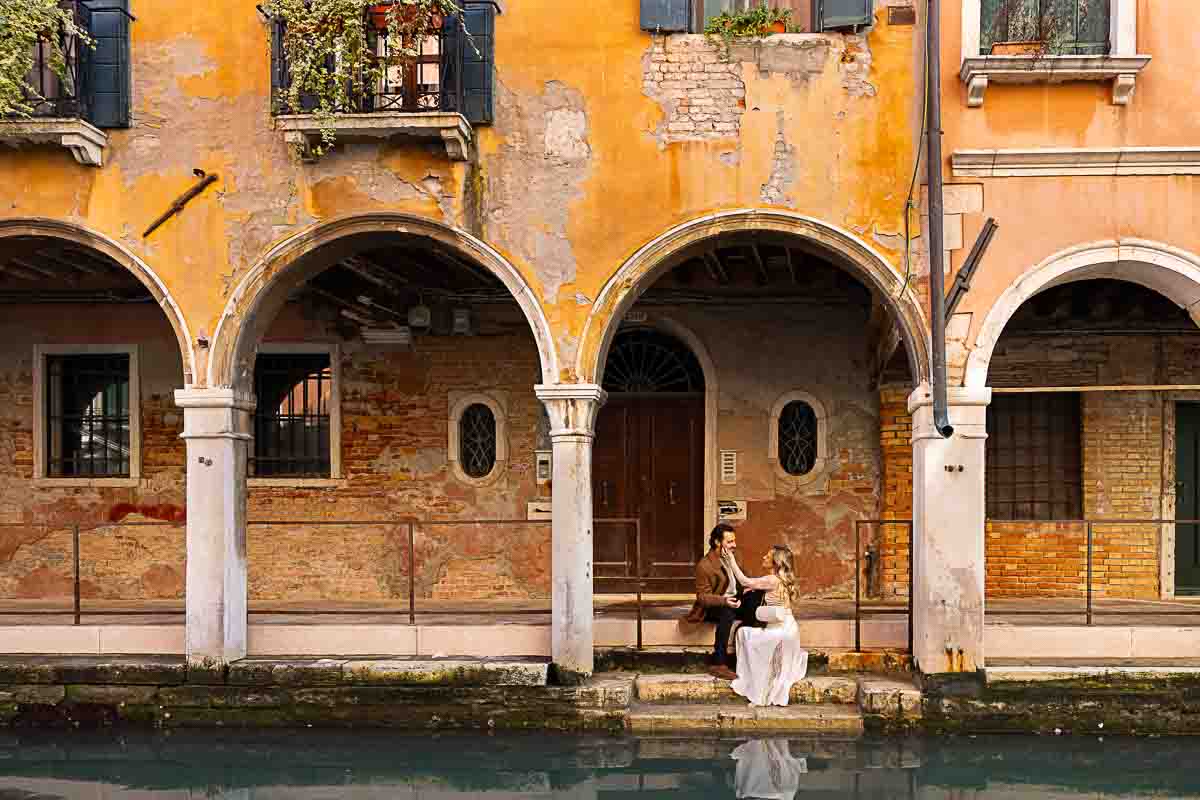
pixel 834 14
pixel 666 16
pixel 278 71
pixel 478 61
pixel 108 64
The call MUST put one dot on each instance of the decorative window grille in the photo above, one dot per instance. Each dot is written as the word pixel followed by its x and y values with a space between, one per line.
pixel 477 441
pixel 1065 27
pixel 1034 457
pixel 88 416
pixel 798 438
pixel 292 423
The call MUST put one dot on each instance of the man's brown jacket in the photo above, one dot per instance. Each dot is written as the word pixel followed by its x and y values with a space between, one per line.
pixel 711 584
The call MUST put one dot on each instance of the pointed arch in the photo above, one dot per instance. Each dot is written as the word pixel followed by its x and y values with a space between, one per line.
pixel 657 257
pixel 98 242
pixel 265 288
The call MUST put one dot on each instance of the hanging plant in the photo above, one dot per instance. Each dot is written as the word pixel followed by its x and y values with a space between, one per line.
pixel 328 48
pixel 761 20
pixel 23 25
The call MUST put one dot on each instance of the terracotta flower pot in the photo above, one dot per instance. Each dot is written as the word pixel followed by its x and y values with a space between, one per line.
pixel 776 27
pixel 379 16
pixel 1017 48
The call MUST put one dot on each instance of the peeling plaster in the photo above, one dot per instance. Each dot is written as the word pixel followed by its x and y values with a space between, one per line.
pixel 537 174
pixel 783 168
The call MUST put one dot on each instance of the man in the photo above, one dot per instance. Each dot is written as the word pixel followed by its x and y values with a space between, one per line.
pixel 719 599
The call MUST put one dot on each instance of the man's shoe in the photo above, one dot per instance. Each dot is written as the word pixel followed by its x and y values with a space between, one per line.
pixel 722 672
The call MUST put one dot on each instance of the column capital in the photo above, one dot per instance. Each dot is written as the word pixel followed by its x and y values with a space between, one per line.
pixel 215 398
pixel 573 408
pixel 967 406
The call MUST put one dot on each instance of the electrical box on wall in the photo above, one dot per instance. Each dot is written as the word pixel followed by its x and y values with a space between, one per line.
pixel 731 510
pixel 545 467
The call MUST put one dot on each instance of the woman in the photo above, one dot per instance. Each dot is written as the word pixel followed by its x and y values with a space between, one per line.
pixel 770 660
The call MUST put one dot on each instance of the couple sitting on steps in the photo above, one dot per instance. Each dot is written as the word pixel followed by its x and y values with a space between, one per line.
pixel 769 659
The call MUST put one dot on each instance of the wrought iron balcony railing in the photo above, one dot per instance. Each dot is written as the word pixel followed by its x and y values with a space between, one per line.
pixel 46 92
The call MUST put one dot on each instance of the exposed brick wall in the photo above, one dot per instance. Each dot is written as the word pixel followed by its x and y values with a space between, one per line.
pixel 703 95
pixel 116 562
pixel 895 444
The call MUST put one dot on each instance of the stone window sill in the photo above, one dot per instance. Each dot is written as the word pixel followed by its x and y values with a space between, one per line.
pixel 85 141
pixel 295 483
pixel 304 130
pixel 86 483
pixel 980 71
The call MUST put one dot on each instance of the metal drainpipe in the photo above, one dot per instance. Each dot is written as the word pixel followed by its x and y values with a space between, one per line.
pixel 933 163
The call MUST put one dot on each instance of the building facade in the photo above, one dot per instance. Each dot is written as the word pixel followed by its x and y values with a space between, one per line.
pixel 623 273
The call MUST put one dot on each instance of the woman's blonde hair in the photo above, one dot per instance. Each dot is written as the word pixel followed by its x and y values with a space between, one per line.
pixel 781 563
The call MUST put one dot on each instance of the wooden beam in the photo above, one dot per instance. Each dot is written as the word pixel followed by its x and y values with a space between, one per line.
pixel 39 269
pixel 716 270
pixel 1150 387
pixel 18 273
pixel 481 275
pixel 764 277
pixel 78 264
pixel 791 265
pixel 373 273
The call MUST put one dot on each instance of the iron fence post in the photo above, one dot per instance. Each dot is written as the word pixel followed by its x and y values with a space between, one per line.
pixel 412 573
pixel 1090 536
pixel 911 550
pixel 857 590
pixel 75 550
pixel 637 533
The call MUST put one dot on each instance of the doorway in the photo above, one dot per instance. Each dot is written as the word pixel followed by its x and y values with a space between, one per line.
pixel 648 462
pixel 1187 498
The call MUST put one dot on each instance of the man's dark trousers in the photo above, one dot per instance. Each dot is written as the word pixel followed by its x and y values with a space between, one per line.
pixel 725 616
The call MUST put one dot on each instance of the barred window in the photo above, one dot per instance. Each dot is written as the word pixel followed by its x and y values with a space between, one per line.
pixel 477 440
pixel 798 438
pixel 1034 457
pixel 88 416
pixel 292 423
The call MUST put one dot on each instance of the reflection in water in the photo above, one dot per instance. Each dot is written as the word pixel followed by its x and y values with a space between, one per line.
pixel 373 765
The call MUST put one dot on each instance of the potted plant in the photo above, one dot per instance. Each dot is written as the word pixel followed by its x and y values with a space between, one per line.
pixel 329 48
pixel 28 23
pixel 761 20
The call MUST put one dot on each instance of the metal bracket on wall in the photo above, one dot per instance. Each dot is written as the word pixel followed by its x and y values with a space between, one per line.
pixel 206 180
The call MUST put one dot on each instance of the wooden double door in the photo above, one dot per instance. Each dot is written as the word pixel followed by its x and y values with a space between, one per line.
pixel 1187 498
pixel 648 463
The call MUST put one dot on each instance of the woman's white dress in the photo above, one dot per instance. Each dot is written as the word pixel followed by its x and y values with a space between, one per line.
pixel 770 660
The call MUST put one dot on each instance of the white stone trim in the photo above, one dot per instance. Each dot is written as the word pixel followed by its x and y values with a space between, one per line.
pixel 1170 271
pixel 822 462
pixel 85 141
pixel 1083 161
pixel 334 351
pixel 303 131
pixel 40 458
pixel 459 403
pixel 1121 65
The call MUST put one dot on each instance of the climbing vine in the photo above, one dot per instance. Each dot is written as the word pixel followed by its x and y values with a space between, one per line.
pixel 23 25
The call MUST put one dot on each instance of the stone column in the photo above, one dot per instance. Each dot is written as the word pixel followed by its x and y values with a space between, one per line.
pixel 215 425
pixel 573 409
pixel 948 532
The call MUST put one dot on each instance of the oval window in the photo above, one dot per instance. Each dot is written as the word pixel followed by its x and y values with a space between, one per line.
pixel 798 438
pixel 477 440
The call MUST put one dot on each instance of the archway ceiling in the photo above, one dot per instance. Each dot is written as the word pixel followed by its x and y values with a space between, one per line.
pixel 35 269
pixel 1097 306
pixel 377 285
pixel 756 267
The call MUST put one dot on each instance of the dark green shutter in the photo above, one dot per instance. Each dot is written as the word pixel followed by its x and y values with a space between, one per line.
pixel 107 76
pixel 479 62
pixel 666 16
pixel 278 72
pixel 834 14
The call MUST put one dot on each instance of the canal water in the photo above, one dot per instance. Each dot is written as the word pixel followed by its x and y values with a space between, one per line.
pixel 365 765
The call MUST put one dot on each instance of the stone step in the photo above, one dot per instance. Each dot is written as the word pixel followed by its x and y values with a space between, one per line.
pixel 828 718
pixel 889 698
pixel 702 688
pixel 396 671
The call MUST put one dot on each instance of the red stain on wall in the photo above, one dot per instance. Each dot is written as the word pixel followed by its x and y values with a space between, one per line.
pixel 165 512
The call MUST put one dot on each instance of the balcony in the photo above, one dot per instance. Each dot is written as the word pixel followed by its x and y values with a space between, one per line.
pixel 437 95
pixel 92 93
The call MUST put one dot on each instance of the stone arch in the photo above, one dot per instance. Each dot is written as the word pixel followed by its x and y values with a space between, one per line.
pixel 264 289
pixel 845 250
pixel 93 240
pixel 1171 272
